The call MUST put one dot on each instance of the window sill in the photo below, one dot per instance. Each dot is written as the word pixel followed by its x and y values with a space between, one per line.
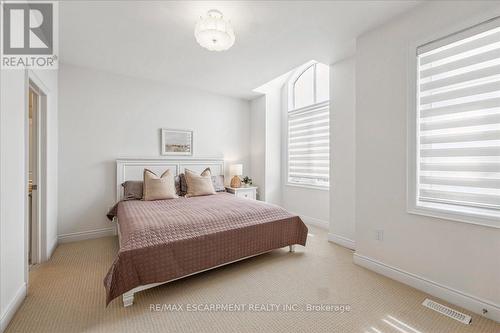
pixel 453 213
pixel 310 187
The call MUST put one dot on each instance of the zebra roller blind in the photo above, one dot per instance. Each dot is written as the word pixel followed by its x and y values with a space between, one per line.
pixel 458 116
pixel 308 123
pixel 308 145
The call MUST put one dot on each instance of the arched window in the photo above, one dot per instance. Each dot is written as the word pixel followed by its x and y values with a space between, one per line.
pixel 309 127
pixel 312 86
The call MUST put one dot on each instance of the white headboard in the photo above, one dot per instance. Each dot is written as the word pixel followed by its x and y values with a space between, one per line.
pixel 133 169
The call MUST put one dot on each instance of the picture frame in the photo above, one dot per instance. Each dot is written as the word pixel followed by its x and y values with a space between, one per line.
pixel 176 142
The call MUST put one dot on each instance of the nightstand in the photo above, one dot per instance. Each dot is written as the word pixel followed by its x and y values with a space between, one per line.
pixel 249 192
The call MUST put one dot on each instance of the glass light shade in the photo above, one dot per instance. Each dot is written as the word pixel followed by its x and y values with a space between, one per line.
pixel 236 169
pixel 213 32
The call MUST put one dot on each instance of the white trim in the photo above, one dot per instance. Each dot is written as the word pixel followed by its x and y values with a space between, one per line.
pixel 411 132
pixel 342 241
pixel 82 235
pixel 52 248
pixel 455 216
pixel 292 79
pixel 444 292
pixel 314 221
pixel 310 187
pixel 39 254
pixel 413 207
pixel 12 307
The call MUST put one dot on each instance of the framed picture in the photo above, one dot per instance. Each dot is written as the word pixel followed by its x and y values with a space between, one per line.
pixel 176 142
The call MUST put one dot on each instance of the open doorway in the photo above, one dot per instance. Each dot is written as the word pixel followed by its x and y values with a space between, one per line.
pixel 36 170
pixel 33 174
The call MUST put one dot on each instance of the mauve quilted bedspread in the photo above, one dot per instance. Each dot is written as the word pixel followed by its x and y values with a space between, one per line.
pixel 167 239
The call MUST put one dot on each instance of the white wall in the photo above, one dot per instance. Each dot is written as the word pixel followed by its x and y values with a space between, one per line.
pixel 12 199
pixel 13 183
pixel 273 145
pixel 267 123
pixel 461 256
pixel 312 205
pixel 105 116
pixel 342 151
pixel 49 79
pixel 258 144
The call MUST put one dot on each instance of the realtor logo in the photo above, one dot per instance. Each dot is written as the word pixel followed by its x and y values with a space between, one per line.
pixel 28 35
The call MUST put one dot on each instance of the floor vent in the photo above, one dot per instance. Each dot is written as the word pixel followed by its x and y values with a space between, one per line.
pixel 463 318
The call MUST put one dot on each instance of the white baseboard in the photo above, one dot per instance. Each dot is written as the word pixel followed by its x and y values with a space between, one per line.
pixel 342 241
pixel 446 293
pixel 90 234
pixel 12 307
pixel 314 221
pixel 52 248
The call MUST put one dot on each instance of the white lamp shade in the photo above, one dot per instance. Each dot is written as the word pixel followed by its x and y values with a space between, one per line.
pixel 236 169
pixel 214 32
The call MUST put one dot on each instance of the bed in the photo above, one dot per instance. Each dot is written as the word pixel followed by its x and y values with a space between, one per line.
pixel 165 240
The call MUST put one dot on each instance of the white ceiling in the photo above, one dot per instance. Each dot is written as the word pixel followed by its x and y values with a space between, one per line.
pixel 154 39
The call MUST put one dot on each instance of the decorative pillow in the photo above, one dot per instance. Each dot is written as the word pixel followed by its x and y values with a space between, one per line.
pixel 218 183
pixel 178 185
pixel 183 188
pixel 158 188
pixel 132 190
pixel 199 184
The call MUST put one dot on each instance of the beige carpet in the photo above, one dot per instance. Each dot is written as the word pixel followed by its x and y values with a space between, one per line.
pixel 66 295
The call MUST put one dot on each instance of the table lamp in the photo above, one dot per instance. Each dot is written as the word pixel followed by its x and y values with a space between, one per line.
pixel 236 170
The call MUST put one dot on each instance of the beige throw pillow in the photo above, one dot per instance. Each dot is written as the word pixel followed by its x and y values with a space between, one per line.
pixel 158 188
pixel 199 184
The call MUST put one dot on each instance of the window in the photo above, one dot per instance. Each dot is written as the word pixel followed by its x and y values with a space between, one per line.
pixel 458 124
pixel 309 128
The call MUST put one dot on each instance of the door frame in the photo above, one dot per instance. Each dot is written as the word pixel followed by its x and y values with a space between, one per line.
pixel 39 251
pixel 33 158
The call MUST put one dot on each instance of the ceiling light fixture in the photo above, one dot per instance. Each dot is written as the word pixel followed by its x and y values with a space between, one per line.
pixel 213 32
